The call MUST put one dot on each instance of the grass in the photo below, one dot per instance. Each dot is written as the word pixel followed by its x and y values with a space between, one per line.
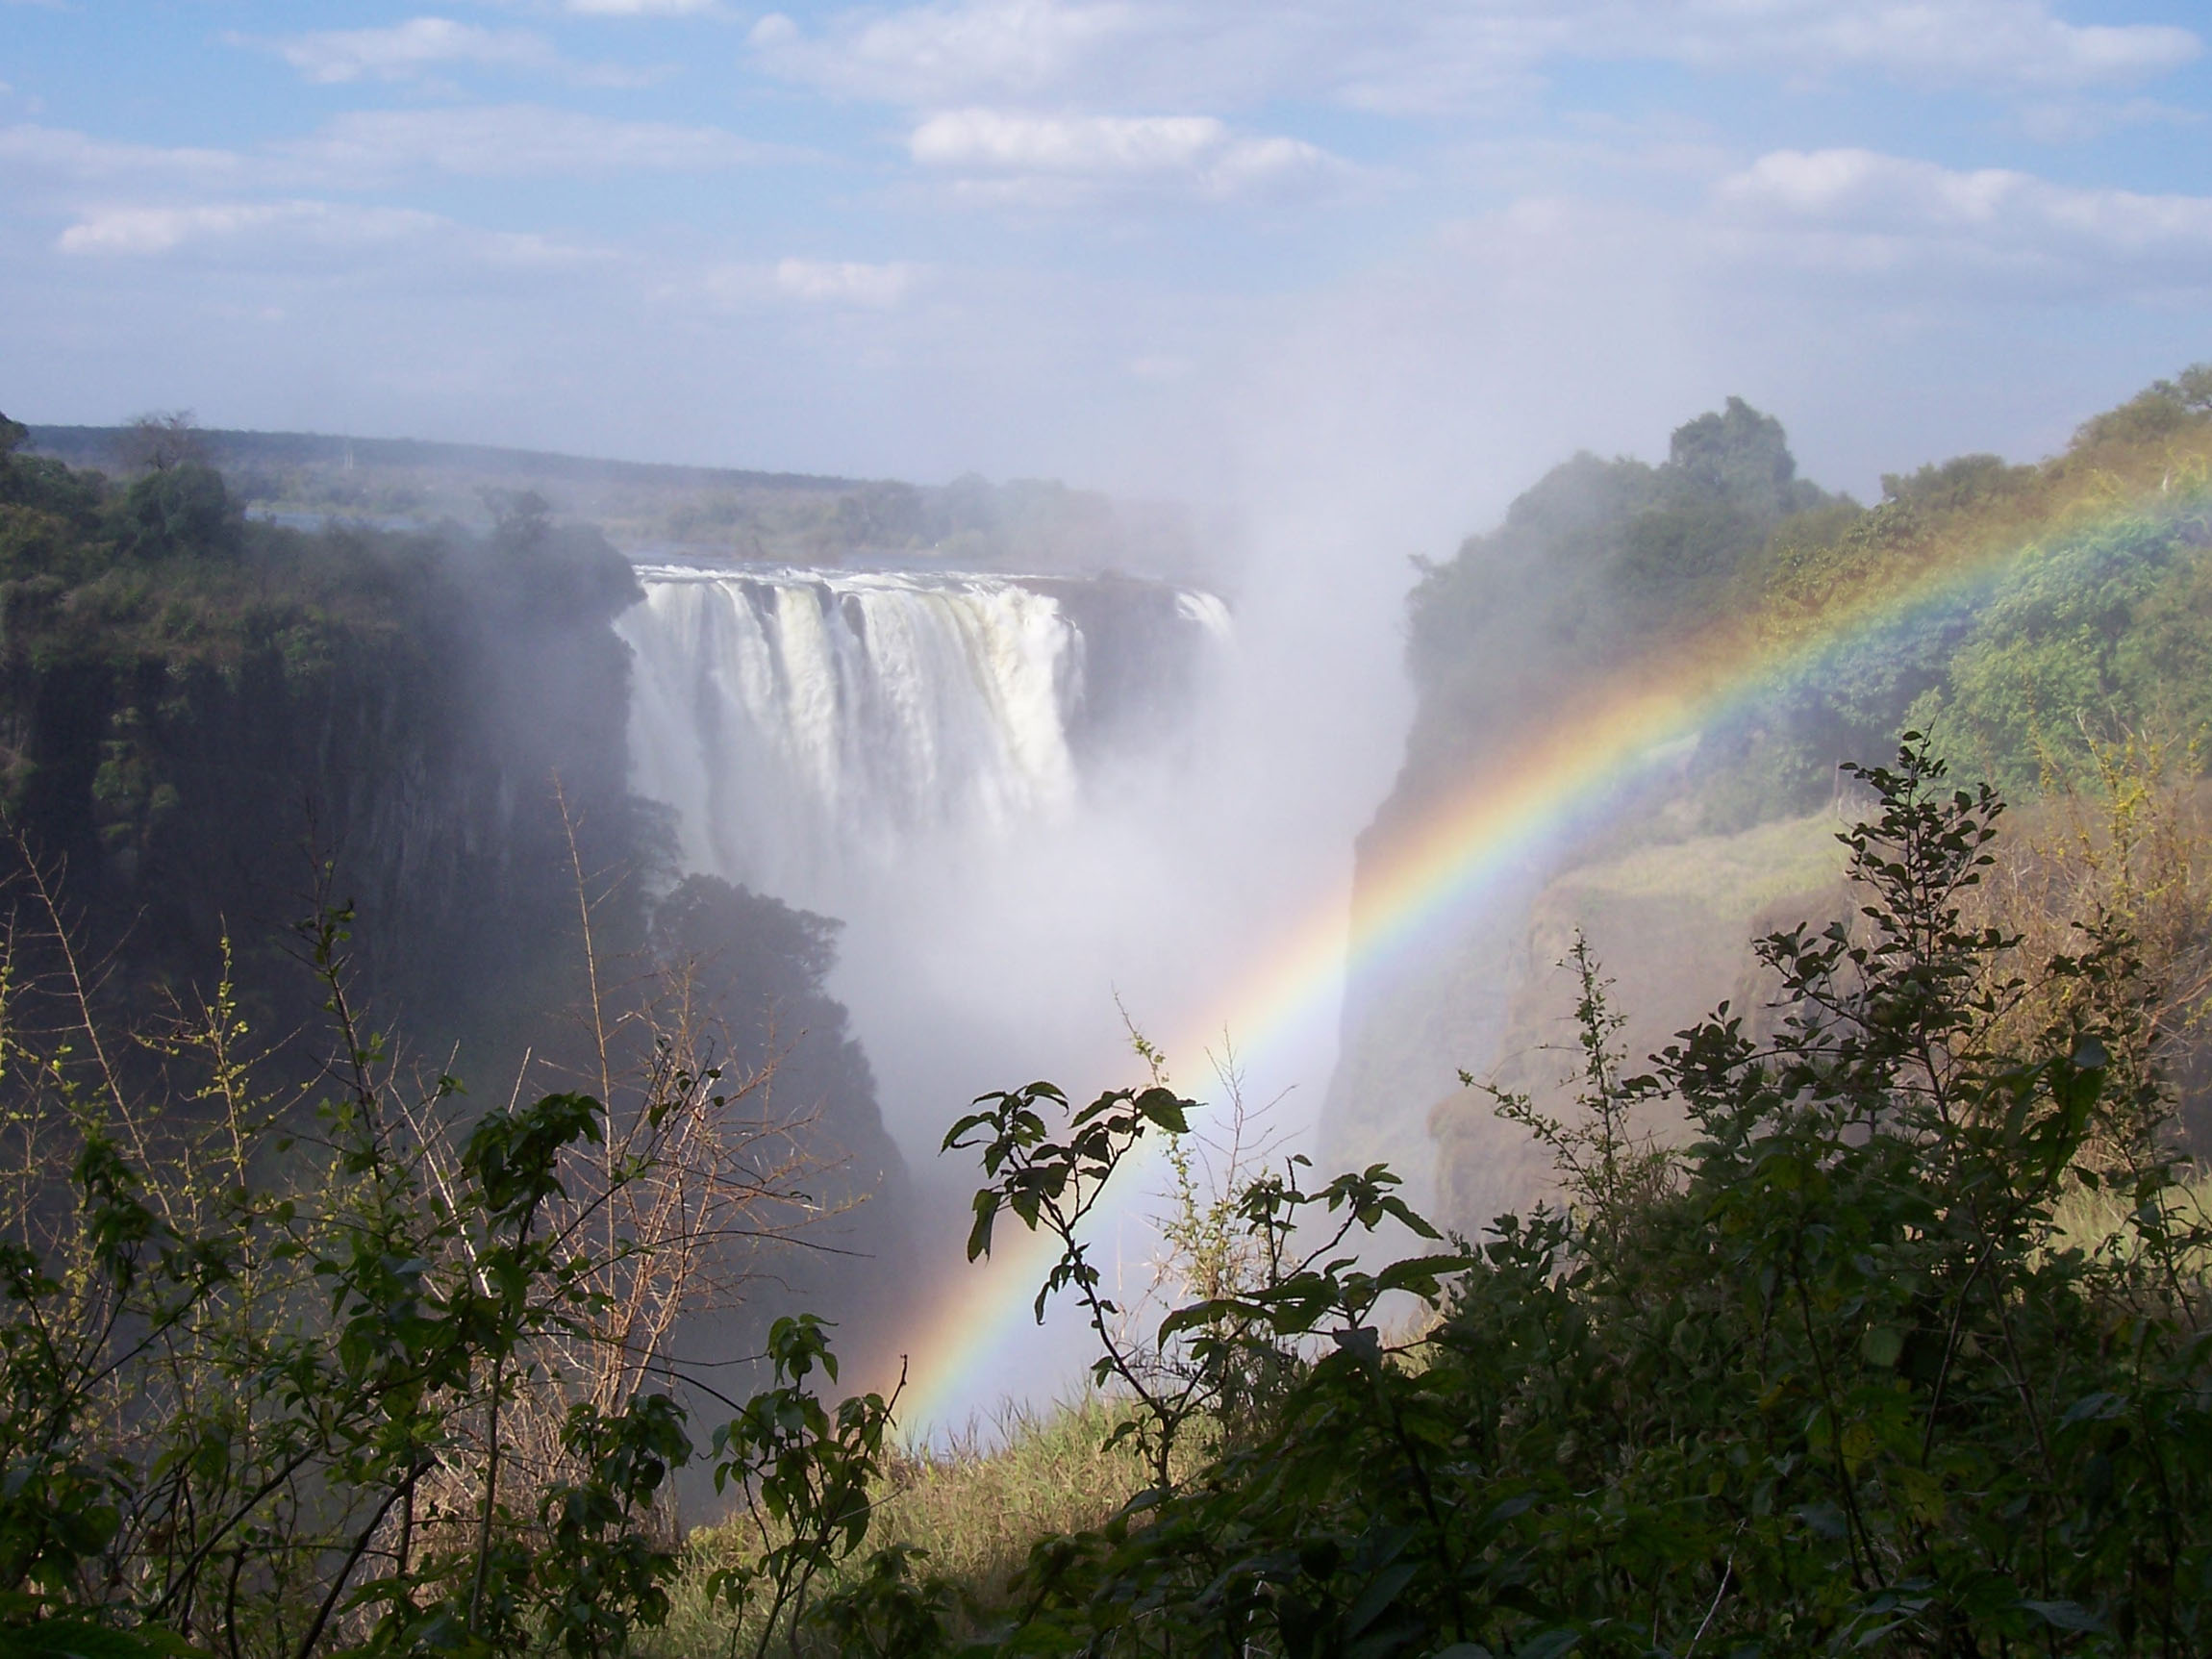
pixel 977 1510
pixel 2097 1222
pixel 974 1506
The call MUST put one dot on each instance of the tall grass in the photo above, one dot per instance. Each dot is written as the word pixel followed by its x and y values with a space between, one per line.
pixel 974 1505
pixel 2098 1222
pixel 979 1504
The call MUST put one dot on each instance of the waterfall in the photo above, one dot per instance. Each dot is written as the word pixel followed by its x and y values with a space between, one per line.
pixel 817 731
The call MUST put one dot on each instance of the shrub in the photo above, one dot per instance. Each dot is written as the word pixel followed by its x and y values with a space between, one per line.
pixel 1841 1375
pixel 364 1373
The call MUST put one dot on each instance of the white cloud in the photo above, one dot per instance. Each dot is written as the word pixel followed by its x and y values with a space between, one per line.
pixel 144 230
pixel 2017 42
pixel 57 153
pixel 950 49
pixel 1436 55
pixel 847 283
pixel 985 138
pixel 1194 150
pixel 2071 118
pixel 423 45
pixel 513 141
pixel 370 148
pixel 1858 208
pixel 823 285
pixel 259 237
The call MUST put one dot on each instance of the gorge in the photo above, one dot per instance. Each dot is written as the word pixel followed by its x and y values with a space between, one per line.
pixel 532 768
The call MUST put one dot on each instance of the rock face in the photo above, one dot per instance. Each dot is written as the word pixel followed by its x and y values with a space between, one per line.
pixel 208 726
pixel 1671 929
pixel 375 721
pixel 1598 573
pixel 1409 1031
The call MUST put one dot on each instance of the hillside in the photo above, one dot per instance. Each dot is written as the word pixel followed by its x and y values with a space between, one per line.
pixel 2028 617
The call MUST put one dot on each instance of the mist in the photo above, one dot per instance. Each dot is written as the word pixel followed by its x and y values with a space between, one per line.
pixel 1328 286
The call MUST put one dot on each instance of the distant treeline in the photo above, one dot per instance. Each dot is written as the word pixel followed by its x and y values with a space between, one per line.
pixel 652 508
pixel 111 446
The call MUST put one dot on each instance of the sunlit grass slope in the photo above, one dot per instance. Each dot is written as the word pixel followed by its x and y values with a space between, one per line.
pixel 974 1507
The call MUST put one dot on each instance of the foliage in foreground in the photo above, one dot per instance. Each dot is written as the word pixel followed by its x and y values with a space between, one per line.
pixel 1850 1372
pixel 1834 1377
pixel 363 1372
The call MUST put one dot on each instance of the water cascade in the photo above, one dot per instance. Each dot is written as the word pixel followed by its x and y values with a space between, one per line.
pixel 1036 807
pixel 819 732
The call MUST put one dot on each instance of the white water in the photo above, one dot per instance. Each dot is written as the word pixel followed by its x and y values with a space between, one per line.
pixel 941 762
pixel 938 761
pixel 821 731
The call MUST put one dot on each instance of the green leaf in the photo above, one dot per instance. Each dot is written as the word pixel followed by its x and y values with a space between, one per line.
pixel 986 1202
pixel 1547 1645
pixel 1199 1314
pixel 1881 1345
pixel 2065 1615
pixel 1378 1597
pixel 1419 1273
pixel 71 1638
pixel 1165 1110
pixel 2097 1407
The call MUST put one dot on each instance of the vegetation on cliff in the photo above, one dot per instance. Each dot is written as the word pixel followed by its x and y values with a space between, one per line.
pixel 199 712
pixel 2016 612
pixel 2038 621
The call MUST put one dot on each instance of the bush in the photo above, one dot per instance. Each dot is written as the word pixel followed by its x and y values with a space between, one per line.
pixel 377 1376
pixel 1836 1376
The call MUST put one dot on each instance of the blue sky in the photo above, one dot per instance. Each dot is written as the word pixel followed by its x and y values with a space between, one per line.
pixel 1209 248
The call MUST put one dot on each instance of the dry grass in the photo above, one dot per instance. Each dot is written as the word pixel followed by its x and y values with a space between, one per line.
pixel 975 1506
pixel 979 1505
pixel 2129 851
pixel 2099 1222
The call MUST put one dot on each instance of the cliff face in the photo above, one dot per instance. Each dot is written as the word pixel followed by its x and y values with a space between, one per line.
pixel 208 726
pixel 1147 650
pixel 2047 626
pixel 204 744
pixel 1598 566
pixel 1671 928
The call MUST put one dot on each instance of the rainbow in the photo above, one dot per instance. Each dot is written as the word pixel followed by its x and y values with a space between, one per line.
pixel 1456 852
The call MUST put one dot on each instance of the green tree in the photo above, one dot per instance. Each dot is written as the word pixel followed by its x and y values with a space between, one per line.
pixel 178 509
